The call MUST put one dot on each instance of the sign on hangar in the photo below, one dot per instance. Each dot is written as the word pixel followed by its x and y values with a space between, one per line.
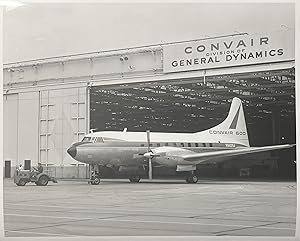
pixel 236 50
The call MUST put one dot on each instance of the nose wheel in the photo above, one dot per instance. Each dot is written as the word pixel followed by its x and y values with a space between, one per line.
pixel 94 180
pixel 94 176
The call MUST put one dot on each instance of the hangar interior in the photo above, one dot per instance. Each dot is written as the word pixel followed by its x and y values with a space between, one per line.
pixel 194 104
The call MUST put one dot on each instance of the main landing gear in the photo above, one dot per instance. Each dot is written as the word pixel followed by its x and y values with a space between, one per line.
pixel 192 179
pixel 135 179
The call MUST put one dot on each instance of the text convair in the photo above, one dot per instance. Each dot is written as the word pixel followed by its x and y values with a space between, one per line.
pixel 228 51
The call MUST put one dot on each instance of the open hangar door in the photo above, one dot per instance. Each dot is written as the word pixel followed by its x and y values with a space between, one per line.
pixel 192 105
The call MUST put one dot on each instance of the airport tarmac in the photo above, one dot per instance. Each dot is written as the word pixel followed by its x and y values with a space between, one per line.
pixel 157 207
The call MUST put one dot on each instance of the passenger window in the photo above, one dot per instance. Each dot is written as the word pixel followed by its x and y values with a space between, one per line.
pixel 158 144
pixel 142 145
pixel 196 144
pixel 167 144
pixel 189 144
pixel 182 144
pixel 174 144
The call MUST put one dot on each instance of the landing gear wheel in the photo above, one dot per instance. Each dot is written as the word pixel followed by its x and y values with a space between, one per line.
pixel 135 179
pixel 21 182
pixel 95 181
pixel 192 179
pixel 43 181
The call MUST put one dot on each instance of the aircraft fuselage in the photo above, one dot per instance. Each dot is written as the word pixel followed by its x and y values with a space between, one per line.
pixel 131 153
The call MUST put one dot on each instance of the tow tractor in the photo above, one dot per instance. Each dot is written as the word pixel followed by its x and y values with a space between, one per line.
pixel 21 177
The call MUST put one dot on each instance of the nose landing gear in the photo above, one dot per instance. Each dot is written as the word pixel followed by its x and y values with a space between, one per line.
pixel 94 176
pixel 94 180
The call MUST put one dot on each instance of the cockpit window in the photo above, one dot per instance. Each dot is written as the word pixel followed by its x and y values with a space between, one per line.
pixel 86 139
pixel 92 139
pixel 99 139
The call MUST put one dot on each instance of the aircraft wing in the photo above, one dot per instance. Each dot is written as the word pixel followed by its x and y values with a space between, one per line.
pixel 210 157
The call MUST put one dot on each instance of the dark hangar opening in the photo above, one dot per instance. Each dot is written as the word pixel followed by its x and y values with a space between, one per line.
pixel 190 105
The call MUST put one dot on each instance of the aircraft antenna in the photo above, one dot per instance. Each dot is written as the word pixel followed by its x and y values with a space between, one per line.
pixel 92 130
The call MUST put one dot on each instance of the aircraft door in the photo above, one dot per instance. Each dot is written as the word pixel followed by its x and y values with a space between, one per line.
pixel 7 169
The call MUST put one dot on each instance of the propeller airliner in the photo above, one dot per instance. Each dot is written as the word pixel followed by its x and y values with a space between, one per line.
pixel 133 151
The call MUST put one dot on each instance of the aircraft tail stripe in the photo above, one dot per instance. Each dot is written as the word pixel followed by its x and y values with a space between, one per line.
pixel 235 119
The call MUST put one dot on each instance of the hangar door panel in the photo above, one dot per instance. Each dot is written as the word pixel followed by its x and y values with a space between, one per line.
pixel 78 113
pixel 46 122
pixel 62 122
pixel 10 123
pixel 28 123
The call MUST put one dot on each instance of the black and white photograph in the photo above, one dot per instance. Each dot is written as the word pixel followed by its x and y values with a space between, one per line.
pixel 149 119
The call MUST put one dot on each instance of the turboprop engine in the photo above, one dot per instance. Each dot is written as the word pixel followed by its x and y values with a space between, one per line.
pixel 168 156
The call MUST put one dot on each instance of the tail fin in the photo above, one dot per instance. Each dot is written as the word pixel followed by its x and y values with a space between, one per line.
pixel 233 127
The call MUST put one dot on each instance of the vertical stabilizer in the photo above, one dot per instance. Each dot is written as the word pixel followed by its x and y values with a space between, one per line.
pixel 233 127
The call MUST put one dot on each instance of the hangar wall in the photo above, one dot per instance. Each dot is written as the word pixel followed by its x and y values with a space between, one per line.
pixel 46 101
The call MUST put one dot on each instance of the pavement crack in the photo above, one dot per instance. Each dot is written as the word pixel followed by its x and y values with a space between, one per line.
pixel 205 215
pixel 244 228
pixel 65 223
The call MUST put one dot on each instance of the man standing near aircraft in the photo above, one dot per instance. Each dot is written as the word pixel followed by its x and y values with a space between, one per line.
pixel 40 168
pixel 20 168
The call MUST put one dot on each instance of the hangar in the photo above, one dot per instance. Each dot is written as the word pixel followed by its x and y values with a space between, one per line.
pixel 52 102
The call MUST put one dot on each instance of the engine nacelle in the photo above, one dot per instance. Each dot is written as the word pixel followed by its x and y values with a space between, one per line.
pixel 170 156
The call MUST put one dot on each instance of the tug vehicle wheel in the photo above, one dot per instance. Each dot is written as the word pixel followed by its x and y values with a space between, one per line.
pixel 43 181
pixel 21 182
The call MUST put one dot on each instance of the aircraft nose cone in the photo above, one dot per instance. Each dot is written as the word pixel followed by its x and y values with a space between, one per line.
pixel 72 151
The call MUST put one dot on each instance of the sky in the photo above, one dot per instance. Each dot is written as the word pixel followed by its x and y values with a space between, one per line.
pixel 43 30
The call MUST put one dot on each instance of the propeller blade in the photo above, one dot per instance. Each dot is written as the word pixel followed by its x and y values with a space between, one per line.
pixel 150 168
pixel 148 154
pixel 148 140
